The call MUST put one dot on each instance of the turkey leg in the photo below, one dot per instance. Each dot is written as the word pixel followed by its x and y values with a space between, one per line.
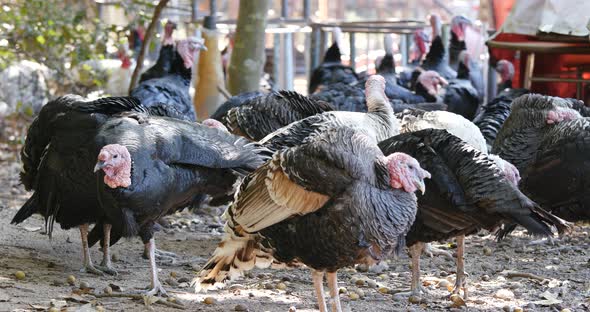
pixel 156 286
pixel 318 283
pixel 88 266
pixel 106 266
pixel 460 280
pixel 334 293
pixel 415 252
pixel 416 287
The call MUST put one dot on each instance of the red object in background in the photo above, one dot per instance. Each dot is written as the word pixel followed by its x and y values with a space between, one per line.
pixel 544 63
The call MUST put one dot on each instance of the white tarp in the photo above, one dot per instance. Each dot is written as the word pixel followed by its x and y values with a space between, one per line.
pixel 565 17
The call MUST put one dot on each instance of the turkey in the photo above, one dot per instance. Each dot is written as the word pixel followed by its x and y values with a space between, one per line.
pixel 458 94
pixel 437 59
pixel 493 114
pixel 58 157
pixel 262 115
pixel 506 71
pixel 150 166
pixel 470 69
pixel 548 141
pixel 331 202
pixel 173 88
pixel 419 49
pixel 386 68
pixel 234 101
pixel 459 24
pixel 467 192
pixel 378 123
pixel 351 97
pixel 163 65
pixel 332 70
pixel 532 116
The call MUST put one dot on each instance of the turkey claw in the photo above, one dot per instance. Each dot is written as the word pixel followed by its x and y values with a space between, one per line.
pixel 89 268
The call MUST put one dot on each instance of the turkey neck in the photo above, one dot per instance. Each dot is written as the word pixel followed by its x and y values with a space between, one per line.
pixel 421 91
pixel 179 69
pixel 455 47
pixel 380 111
pixel 462 71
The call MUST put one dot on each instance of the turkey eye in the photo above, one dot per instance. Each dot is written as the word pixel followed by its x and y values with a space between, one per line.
pixel 115 156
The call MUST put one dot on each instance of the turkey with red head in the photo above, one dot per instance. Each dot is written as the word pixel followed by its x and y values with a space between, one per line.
pixel 549 142
pixel 172 88
pixel 58 157
pixel 150 166
pixel 467 192
pixel 165 61
pixel 330 202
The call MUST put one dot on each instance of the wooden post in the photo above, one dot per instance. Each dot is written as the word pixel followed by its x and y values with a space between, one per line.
pixel 248 58
pixel 146 42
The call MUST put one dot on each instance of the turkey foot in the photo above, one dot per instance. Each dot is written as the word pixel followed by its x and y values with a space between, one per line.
pixel 543 241
pixel 433 251
pixel 156 286
pixel 107 268
pixel 88 266
pixel 157 290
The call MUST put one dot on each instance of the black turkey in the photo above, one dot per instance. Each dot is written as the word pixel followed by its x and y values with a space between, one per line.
pixel 548 140
pixel 467 192
pixel 165 61
pixel 331 70
pixel 150 166
pixel 234 101
pixel 58 157
pixel 331 202
pixel 173 88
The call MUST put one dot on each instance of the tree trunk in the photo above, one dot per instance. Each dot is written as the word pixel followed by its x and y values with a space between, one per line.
pixel 149 33
pixel 248 58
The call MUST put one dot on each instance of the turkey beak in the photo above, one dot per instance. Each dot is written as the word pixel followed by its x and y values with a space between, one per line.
pixel 419 183
pixel 99 165
pixel 419 180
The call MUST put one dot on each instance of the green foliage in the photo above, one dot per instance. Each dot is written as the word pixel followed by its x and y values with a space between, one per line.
pixel 58 34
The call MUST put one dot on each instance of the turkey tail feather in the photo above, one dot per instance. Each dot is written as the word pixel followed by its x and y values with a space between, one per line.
pixel 237 252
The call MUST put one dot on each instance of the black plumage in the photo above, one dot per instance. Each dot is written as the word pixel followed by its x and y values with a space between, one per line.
pixel 552 155
pixel 467 192
pixel 234 101
pixel 379 121
pixel 460 95
pixel 170 161
pixel 262 115
pixel 58 158
pixel 493 114
pixel 163 65
pixel 172 88
pixel 437 60
pixel 331 71
pixel 455 48
pixel 165 61
pixel 288 212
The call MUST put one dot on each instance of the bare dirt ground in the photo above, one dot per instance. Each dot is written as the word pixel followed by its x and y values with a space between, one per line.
pixel 559 274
